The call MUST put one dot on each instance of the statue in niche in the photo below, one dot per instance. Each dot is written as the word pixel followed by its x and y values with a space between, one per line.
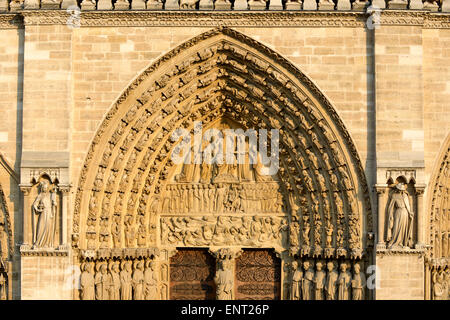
pixel 138 281
pixel 44 216
pixel 224 280
pixel 344 282
pixel 151 281
pixel 114 289
pixel 102 282
pixel 307 281
pixel 331 282
pixel 87 282
pixel 319 281
pixel 400 219
pixel 358 283
pixel 3 284
pixel 297 276
pixel 126 281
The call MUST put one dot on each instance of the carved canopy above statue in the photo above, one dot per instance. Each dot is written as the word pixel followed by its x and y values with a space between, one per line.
pixel 320 206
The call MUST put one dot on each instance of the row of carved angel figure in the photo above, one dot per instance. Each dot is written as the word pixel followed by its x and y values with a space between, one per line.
pixel 222 197
pixel 309 283
pixel 119 280
pixel 14 5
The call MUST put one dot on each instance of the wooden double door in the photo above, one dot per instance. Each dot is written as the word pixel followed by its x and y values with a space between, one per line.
pixel 257 275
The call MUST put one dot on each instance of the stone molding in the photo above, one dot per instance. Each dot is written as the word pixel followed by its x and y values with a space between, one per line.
pixel 426 19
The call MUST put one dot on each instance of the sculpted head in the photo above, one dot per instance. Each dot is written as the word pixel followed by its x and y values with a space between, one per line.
pixel 306 265
pixel 330 266
pixel 44 186
pixel 357 268
pixel 343 267
pixel 319 266
pixel 294 265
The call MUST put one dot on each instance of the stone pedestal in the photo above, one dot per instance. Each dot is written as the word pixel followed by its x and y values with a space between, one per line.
pixel 138 5
pixel 309 5
pixel 104 5
pixel 30 4
pixel 88 5
pixel 240 5
pixel 50 4
pixel 415 4
pixel 257 5
pixel 206 5
pixel 171 5
pixel 326 5
pixel 344 5
pixel 445 6
pixel 65 4
pixel 397 4
pixel 293 5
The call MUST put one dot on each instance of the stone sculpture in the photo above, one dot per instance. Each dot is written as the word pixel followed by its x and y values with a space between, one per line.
pixel 44 217
pixel 224 280
pixel 400 219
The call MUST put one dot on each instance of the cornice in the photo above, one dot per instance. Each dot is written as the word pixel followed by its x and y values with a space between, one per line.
pixel 130 18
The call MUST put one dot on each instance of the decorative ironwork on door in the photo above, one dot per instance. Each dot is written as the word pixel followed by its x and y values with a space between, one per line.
pixel 192 275
pixel 258 274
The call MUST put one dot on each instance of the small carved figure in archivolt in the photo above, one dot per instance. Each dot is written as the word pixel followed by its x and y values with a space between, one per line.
pixel 44 216
pixel 400 219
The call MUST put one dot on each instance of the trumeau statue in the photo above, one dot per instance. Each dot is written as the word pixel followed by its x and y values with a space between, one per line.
pixel 297 276
pixel 224 280
pixel 331 282
pixel 87 282
pixel 400 218
pixel 344 282
pixel 44 217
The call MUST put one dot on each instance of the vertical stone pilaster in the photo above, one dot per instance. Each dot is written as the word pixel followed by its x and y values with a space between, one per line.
pixel 381 205
pixel 420 217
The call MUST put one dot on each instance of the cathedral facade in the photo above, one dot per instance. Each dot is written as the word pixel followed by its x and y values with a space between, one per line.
pixel 135 136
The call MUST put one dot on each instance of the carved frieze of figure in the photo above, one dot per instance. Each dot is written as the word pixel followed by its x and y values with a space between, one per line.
pixel 114 289
pixel 87 281
pixel 319 281
pixel 307 281
pixel 151 281
pixel 126 288
pixel 358 283
pixel 296 286
pixel 102 282
pixel 224 280
pixel 344 282
pixel 331 282
pixel 44 211
pixel 400 219
pixel 138 281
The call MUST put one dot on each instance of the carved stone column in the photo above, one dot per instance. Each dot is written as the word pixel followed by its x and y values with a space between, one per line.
pixel 65 189
pixel 224 254
pixel 381 193
pixel 27 241
pixel 164 269
pixel 420 189
pixel 286 261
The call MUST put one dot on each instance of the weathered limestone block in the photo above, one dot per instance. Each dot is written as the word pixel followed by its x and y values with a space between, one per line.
pixel 172 5
pixel 30 4
pixel 65 4
pixel 309 5
pixel 397 4
pixel 50 4
pixel 257 5
pixel 104 5
pixel 138 4
pixel 293 5
pixel 378 4
pixel 326 5
pixel 240 5
pixel 224 5
pixel 276 5
pixel 206 5
pixel 154 5
pixel 188 4
pixel 88 5
pixel 122 5
pixel 415 4
pixel 344 5
pixel 360 5
pixel 445 6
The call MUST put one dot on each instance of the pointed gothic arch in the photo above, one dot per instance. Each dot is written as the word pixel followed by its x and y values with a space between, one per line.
pixel 222 73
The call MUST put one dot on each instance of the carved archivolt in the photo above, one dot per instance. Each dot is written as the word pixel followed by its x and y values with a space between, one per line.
pixel 439 226
pixel 6 248
pixel 321 201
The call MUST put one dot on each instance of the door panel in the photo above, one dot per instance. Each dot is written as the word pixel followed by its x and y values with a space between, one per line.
pixel 258 274
pixel 192 275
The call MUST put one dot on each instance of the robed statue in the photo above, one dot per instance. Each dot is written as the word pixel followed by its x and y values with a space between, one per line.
pixel 224 281
pixel 44 217
pixel 400 219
